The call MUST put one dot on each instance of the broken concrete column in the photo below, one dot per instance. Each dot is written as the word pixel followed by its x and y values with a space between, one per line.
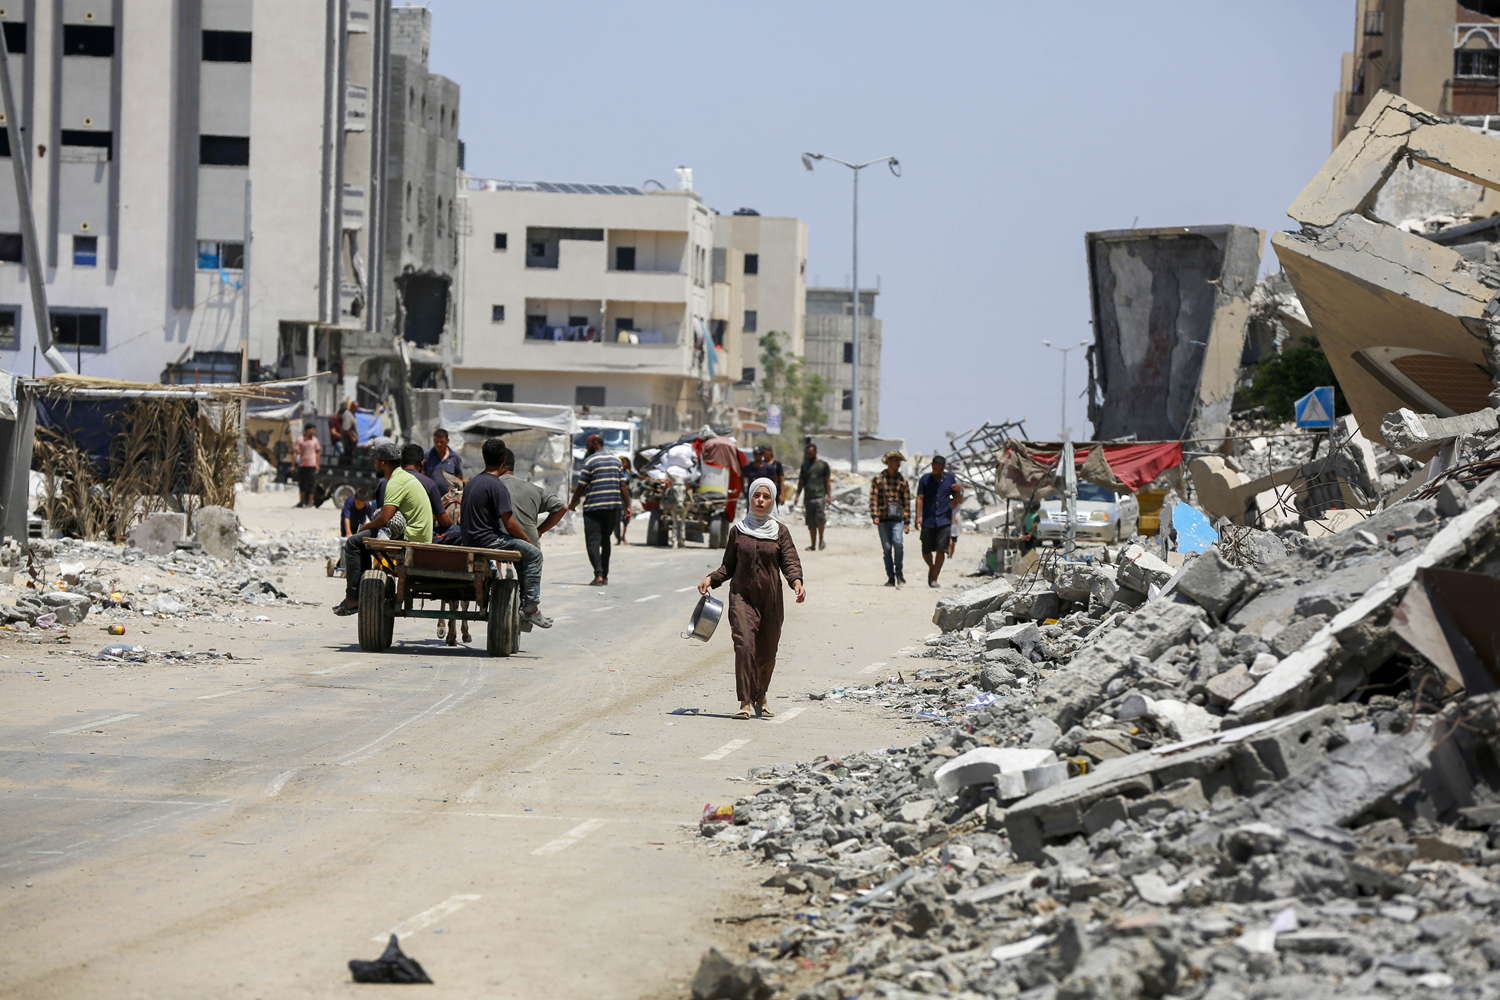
pixel 967 609
pixel 158 534
pixel 1411 433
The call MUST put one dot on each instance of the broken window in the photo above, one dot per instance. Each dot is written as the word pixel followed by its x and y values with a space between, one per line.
pixel 848 352
pixel 752 263
pixel 497 314
pixel 85 251
pixel 9 323
pixel 96 40
pixel 848 402
pixel 750 320
pixel 88 139
pixel 747 376
pixel 10 248
pixel 226 46
pixel 15 37
pixel 1482 64
pixel 588 395
pixel 624 258
pixel 716 331
pixel 214 255
pixel 578 321
pixel 78 328
pixel 500 241
pixel 223 150
pixel 505 392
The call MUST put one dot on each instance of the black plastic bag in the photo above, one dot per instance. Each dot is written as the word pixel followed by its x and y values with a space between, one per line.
pixel 391 967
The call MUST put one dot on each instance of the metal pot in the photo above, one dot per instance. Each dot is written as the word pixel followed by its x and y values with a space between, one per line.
pixel 705 618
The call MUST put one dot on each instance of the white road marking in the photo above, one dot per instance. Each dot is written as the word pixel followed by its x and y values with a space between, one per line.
pixel 427 917
pixel 570 838
pixel 871 668
pixel 643 600
pixel 684 590
pixel 725 750
pixel 462 697
pixel 790 713
pixel 226 694
pixel 91 725
pixel 605 607
pixel 279 782
pixel 346 666
pixel 392 731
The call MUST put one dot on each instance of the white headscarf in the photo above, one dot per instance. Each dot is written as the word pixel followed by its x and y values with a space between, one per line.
pixel 760 527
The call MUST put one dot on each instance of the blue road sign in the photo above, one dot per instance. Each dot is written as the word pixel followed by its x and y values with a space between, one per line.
pixel 1316 408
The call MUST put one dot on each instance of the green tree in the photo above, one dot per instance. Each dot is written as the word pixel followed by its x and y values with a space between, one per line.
pixel 1282 379
pixel 800 394
pixel 814 390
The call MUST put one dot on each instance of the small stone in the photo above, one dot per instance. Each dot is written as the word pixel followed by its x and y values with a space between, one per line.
pixel 1229 685
pixel 1264 663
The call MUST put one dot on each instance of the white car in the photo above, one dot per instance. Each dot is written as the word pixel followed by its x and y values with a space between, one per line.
pixel 1103 515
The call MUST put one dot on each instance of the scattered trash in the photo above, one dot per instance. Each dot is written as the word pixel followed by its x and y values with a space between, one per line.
pixel 117 630
pixel 391 967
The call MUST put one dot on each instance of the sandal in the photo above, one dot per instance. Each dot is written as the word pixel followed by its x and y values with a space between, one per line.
pixel 764 711
pixel 343 610
pixel 743 713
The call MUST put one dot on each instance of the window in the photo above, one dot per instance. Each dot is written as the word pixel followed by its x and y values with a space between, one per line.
pixel 226 46
pixel 9 322
pixel 15 37
pixel 77 328
pixel 752 263
pixel 538 249
pixel 1477 63
pixel 1374 22
pixel 848 403
pixel 408 201
pixel 578 321
pixel 212 256
pixel 750 317
pixel 224 150
pixel 624 258
pixel 747 376
pixel 96 140
pixel 717 330
pixel 85 251
pixel 497 314
pixel 536 327
pixel 848 352
pixel 10 248
pixel 505 392
pixel 500 241
pixel 4 141
pixel 88 40
pixel 588 395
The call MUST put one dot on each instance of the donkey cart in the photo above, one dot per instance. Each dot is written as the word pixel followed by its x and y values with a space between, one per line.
pixel 402 573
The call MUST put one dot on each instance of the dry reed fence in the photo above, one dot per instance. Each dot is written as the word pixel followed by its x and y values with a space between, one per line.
pixel 165 455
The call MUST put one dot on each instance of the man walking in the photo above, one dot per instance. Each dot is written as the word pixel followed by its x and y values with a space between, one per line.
pixel 309 460
pixel 440 458
pixel 487 521
pixel 890 509
pixel 938 493
pixel 605 495
pixel 813 480
pixel 405 514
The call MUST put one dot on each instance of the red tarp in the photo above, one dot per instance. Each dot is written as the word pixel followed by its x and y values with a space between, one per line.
pixel 1025 467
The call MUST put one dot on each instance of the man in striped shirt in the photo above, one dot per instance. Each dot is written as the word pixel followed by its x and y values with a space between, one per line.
pixel 605 493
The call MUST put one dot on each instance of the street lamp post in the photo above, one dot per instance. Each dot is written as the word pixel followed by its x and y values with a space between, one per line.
pixel 1063 429
pixel 895 165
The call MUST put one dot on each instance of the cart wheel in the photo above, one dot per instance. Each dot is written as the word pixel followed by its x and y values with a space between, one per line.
pixel 716 532
pixel 375 621
pixel 653 529
pixel 341 495
pixel 513 603
pixel 500 637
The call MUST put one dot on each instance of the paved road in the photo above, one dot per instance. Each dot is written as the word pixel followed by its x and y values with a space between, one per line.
pixel 245 830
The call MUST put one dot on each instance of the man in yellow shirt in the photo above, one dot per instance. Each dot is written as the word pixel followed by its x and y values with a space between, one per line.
pixel 406 515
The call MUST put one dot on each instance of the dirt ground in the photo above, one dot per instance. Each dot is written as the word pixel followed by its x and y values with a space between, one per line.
pixel 244 827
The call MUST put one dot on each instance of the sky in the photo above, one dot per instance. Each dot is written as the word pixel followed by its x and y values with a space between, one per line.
pixel 1019 128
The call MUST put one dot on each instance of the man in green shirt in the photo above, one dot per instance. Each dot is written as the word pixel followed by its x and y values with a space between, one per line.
pixel 406 515
pixel 813 479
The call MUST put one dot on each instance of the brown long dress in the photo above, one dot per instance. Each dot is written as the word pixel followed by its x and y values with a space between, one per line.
pixel 753 567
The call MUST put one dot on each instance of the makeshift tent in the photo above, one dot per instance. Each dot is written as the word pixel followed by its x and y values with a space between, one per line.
pixel 1025 468
pixel 541 435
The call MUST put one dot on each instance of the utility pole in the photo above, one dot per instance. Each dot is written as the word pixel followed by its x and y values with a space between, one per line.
pixel 31 253
pixel 895 166
pixel 1062 427
pixel 245 330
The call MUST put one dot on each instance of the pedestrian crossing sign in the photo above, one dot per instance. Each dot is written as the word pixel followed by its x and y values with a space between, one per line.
pixel 1316 408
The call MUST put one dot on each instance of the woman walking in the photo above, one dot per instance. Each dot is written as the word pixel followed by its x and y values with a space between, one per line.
pixel 759 550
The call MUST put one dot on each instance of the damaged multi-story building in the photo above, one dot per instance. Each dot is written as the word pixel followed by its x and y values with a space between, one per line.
pixel 759 288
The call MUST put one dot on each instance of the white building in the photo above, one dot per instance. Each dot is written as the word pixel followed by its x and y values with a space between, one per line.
pixel 141 123
pixel 830 353
pixel 590 295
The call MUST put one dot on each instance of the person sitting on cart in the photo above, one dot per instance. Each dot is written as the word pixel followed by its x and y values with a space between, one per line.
pixel 442 526
pixel 405 514
pixel 440 458
pixel 487 522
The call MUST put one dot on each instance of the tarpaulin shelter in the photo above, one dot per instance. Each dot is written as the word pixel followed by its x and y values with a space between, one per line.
pixel 1026 468
pixel 540 434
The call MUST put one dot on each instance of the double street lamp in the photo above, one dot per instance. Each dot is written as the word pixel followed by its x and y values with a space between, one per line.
pixel 1063 428
pixel 895 165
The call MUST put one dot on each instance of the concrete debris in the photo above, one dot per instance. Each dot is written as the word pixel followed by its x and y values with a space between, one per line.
pixel 1412 433
pixel 217 529
pixel 158 534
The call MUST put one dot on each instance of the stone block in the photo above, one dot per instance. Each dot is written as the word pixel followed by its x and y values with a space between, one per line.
pixel 158 534
pixel 1414 433
pixel 70 608
pixel 1212 582
pixel 1290 639
pixel 967 609
pixel 1288 749
pixel 1013 785
pixel 1021 637
pixel 1104 814
pixel 980 765
pixel 1342 784
pixel 1452 499
pixel 1076 581
pixel 217 529
pixel 1140 570
pixel 1224 688
pixel 1186 793
pixel 1037 604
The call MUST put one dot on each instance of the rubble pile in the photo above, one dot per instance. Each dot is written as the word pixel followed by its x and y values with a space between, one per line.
pixel 1230 779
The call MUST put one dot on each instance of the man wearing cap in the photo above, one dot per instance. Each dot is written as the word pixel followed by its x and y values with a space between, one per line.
pixel 890 509
pixel 405 514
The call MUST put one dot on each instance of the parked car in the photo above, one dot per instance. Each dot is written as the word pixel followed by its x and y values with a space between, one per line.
pixel 1103 515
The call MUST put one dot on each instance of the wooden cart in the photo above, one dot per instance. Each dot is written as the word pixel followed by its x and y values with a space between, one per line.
pixel 403 573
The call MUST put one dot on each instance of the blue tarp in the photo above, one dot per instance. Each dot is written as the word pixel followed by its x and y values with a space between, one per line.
pixel 1194 533
pixel 368 423
pixel 92 422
